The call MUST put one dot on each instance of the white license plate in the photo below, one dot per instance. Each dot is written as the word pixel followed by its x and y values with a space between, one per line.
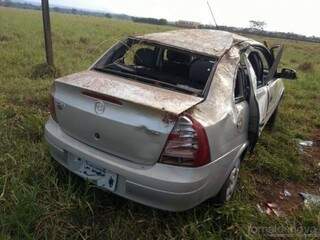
pixel 101 177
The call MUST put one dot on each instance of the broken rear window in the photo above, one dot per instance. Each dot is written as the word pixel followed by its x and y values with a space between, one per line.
pixel 158 65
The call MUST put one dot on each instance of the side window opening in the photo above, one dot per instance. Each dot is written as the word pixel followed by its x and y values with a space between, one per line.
pixel 267 61
pixel 242 85
pixel 264 61
pixel 238 88
pixel 265 64
pixel 257 65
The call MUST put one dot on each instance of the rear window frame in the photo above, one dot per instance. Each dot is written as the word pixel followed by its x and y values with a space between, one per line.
pixel 103 60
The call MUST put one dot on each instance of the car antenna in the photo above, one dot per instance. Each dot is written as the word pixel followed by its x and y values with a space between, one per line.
pixel 214 19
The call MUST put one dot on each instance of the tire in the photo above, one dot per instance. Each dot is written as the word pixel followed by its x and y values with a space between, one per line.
pixel 229 186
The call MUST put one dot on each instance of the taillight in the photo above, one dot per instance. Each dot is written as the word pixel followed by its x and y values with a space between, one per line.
pixel 52 107
pixel 187 144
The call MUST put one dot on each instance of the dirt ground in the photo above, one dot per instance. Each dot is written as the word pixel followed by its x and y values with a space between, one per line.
pixel 283 197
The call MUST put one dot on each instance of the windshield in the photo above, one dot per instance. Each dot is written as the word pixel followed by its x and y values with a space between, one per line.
pixel 158 65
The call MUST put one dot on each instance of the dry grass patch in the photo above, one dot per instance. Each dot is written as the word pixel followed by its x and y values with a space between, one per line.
pixel 306 66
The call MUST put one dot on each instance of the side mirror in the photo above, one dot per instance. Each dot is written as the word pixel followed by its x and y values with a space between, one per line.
pixel 288 73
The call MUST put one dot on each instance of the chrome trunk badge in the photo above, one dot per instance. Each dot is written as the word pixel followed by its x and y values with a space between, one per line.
pixel 99 107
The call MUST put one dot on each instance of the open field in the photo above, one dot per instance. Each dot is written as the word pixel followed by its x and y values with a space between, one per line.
pixel 39 199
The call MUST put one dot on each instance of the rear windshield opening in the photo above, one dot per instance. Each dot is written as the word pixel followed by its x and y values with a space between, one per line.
pixel 159 65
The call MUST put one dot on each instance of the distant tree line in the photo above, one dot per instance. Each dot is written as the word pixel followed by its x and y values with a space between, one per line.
pixel 8 3
pixel 156 21
pixel 256 27
pixel 256 31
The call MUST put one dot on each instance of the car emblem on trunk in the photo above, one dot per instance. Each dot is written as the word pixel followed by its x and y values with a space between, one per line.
pixel 99 107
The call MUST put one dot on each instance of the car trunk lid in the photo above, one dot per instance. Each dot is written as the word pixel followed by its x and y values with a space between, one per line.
pixel 120 116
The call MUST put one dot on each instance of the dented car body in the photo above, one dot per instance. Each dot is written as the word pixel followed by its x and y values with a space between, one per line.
pixel 164 119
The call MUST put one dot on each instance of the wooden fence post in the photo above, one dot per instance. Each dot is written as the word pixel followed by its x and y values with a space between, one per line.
pixel 47 32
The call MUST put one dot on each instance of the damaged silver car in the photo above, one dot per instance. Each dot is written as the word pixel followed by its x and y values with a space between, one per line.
pixel 165 119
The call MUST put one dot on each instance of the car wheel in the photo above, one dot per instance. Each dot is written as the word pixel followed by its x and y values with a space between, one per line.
pixel 229 186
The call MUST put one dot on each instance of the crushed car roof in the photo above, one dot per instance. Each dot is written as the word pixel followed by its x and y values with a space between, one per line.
pixel 201 41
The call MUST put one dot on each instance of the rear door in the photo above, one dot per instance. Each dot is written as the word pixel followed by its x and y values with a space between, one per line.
pixel 259 95
pixel 257 73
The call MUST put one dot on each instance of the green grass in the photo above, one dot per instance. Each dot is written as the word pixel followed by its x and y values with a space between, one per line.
pixel 39 199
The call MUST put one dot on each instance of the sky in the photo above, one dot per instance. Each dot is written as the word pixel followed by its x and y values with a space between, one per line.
pixel 296 16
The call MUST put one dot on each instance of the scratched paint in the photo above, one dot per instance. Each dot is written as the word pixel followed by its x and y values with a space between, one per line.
pixel 207 42
pixel 132 91
pixel 201 41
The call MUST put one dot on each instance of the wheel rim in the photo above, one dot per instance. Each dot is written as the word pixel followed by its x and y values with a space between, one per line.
pixel 233 178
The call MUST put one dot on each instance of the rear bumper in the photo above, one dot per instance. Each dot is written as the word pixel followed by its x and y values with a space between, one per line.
pixel 161 186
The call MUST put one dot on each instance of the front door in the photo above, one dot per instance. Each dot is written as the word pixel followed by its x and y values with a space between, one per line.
pixel 261 67
pixel 274 84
